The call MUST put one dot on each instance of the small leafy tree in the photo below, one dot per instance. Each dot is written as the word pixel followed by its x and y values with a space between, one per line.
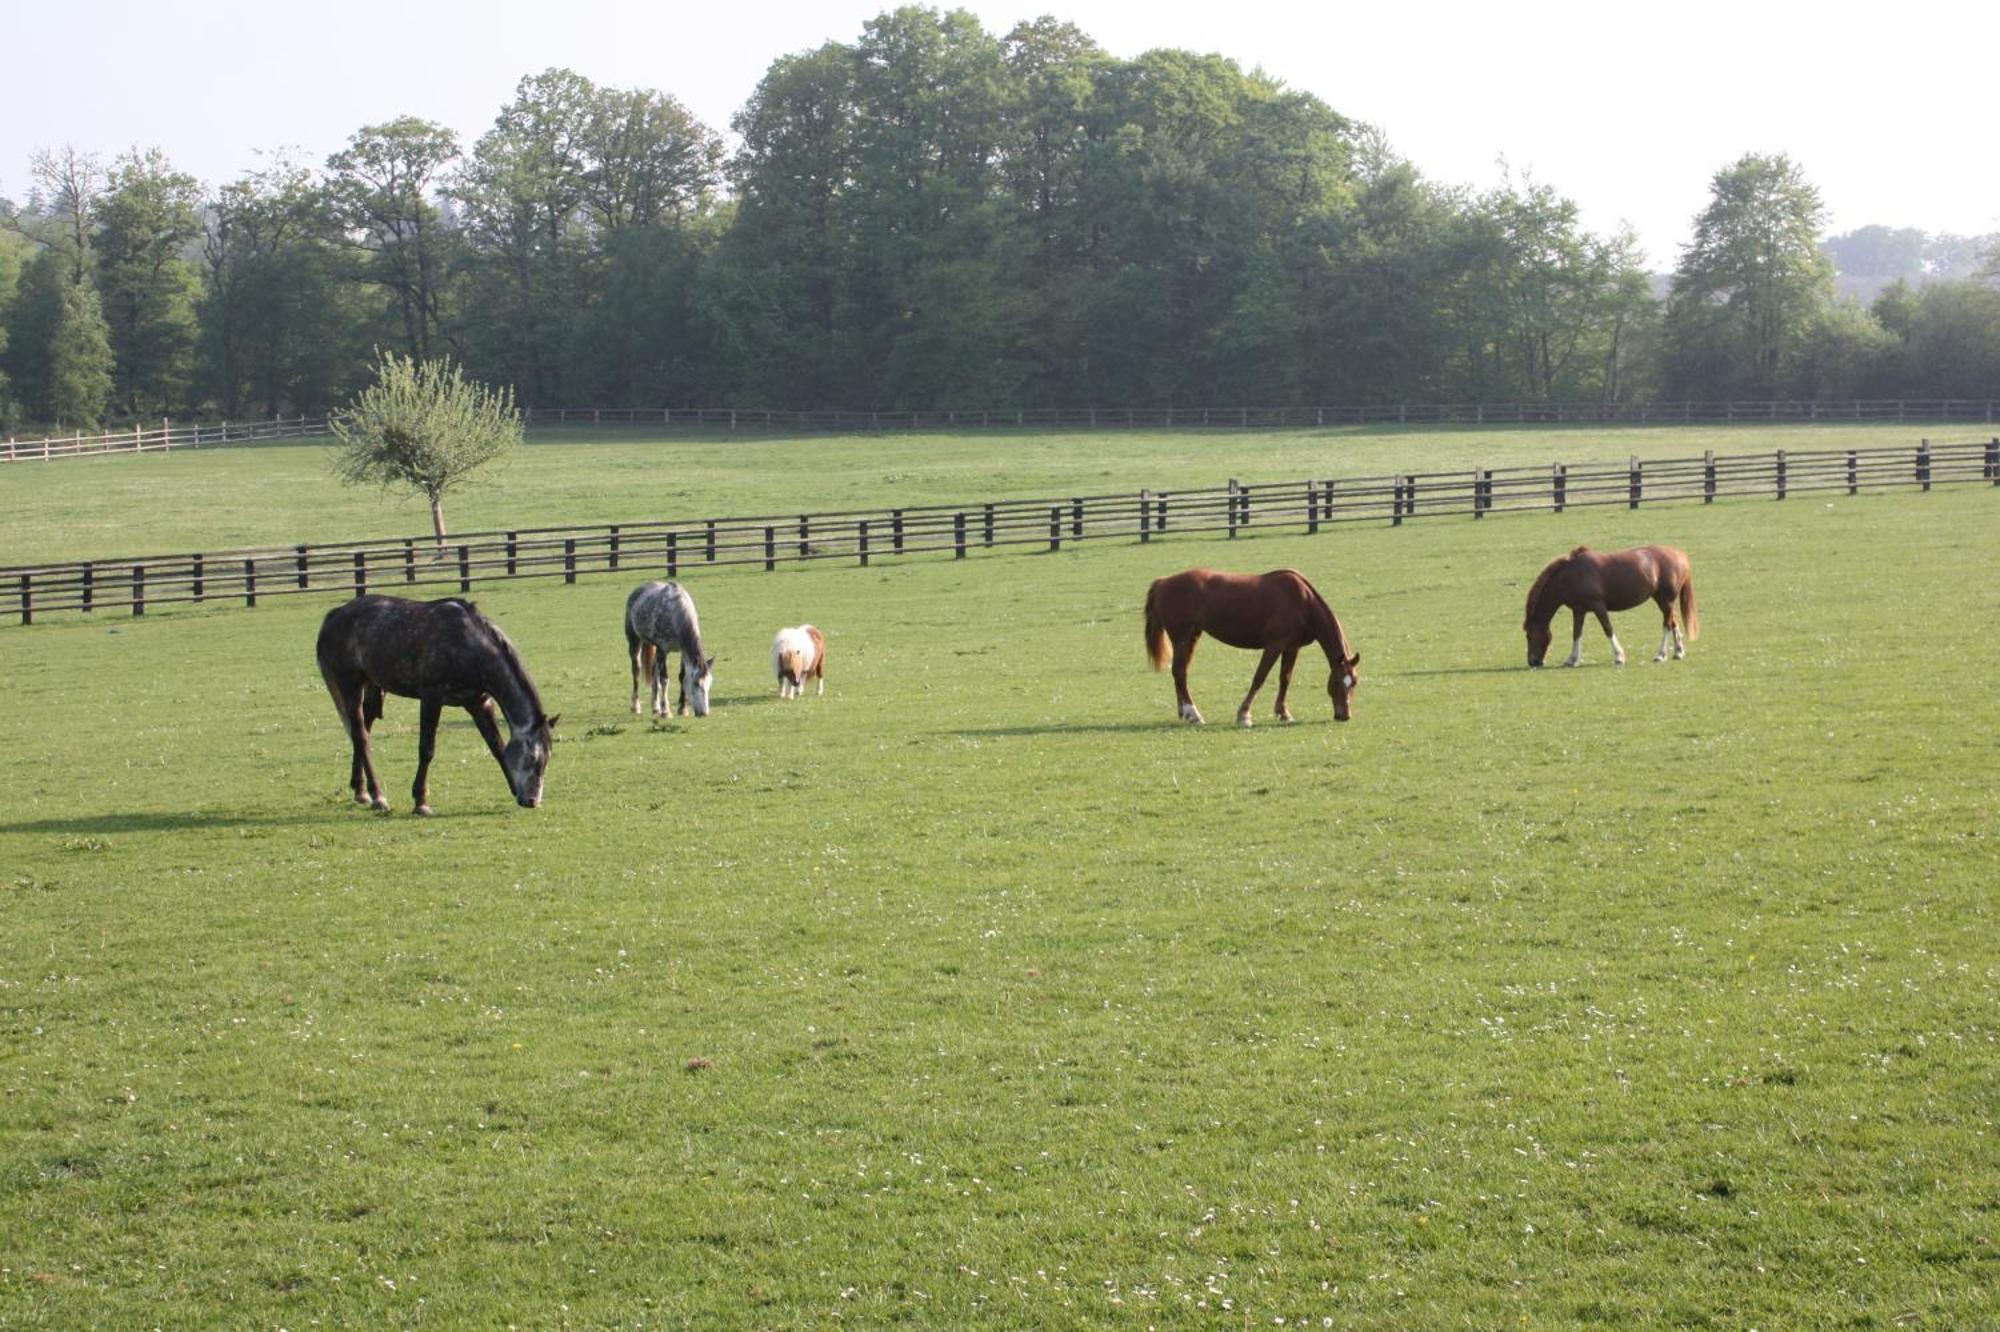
pixel 425 426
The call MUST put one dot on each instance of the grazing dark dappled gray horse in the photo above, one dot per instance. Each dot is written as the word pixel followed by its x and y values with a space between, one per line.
pixel 439 653
pixel 660 618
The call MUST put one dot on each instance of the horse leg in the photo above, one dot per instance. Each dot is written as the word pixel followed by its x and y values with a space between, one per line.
pixel 637 652
pixel 1666 603
pixel 1285 664
pixel 1270 658
pixel 1576 614
pixel 1617 649
pixel 429 709
pixel 1183 654
pixel 656 679
pixel 353 704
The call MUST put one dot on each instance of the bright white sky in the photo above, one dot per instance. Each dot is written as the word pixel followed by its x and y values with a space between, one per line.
pixel 1628 109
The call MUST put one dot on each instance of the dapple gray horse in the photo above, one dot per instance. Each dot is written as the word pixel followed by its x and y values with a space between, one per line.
pixel 660 618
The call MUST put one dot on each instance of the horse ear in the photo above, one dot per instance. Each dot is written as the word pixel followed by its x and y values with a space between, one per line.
pixel 710 665
pixel 1354 660
pixel 550 722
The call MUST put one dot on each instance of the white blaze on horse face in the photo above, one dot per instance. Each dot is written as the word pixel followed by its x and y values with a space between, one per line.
pixel 696 680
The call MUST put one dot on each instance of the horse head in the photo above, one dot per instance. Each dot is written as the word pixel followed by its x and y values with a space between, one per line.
pixel 526 758
pixel 697 678
pixel 1341 684
pixel 1540 635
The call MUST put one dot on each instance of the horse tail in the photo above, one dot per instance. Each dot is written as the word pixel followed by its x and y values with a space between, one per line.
pixel 1156 627
pixel 1690 618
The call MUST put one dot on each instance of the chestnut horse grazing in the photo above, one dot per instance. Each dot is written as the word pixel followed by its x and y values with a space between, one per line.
pixel 1278 612
pixel 1596 583
pixel 796 654
pixel 439 653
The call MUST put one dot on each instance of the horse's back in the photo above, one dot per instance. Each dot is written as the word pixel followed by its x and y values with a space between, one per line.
pixel 394 643
pixel 661 613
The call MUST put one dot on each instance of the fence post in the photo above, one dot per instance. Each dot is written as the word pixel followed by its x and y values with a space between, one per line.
pixel 1559 491
pixel 673 554
pixel 27 600
pixel 711 541
pixel 770 548
pixel 1781 473
pixel 896 529
pixel 1632 483
pixel 804 537
pixel 1708 476
pixel 513 549
pixel 1396 503
pixel 1993 460
pixel 250 583
pixel 1076 517
pixel 1145 516
pixel 409 560
pixel 305 574
pixel 1410 495
pixel 360 573
pixel 958 536
pixel 569 559
pixel 1853 472
pixel 861 528
pixel 464 567
pixel 1160 517
pixel 1231 511
pixel 1055 527
pixel 1924 464
pixel 138 589
pixel 1312 508
pixel 614 546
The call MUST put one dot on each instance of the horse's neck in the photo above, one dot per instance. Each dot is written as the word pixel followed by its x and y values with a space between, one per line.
pixel 1331 637
pixel 510 687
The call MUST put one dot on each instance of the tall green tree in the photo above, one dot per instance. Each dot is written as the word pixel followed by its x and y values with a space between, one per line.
pixel 280 330
pixel 1751 284
pixel 146 220
pixel 80 361
pixel 384 184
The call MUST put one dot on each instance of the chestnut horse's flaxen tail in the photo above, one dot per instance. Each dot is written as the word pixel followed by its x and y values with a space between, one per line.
pixel 1690 621
pixel 1156 628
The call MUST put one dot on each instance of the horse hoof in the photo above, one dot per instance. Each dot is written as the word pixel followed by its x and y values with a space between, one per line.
pixel 361 798
pixel 381 805
pixel 1243 720
pixel 422 811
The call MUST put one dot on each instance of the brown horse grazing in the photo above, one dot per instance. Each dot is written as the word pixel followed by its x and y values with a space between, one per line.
pixel 1593 582
pixel 1278 612
pixel 439 653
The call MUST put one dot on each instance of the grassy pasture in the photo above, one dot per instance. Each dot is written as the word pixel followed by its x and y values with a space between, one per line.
pixel 282 493
pixel 981 990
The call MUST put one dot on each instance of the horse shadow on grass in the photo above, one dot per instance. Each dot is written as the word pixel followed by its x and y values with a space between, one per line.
pixel 1073 728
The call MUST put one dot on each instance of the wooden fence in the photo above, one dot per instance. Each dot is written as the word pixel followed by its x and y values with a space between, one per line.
pixel 673 548
pixel 163 438
pixel 166 437
pixel 1099 418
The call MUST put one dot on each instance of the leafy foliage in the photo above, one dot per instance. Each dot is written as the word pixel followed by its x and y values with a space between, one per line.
pixel 423 426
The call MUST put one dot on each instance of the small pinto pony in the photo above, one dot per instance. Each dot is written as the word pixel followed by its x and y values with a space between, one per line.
pixel 1278 612
pixel 441 653
pixel 795 654
pixel 1596 583
pixel 660 618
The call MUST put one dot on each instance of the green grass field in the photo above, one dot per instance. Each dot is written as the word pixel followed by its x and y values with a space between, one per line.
pixel 280 494
pixel 981 990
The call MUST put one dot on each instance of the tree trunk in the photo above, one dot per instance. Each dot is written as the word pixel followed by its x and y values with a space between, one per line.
pixel 437 521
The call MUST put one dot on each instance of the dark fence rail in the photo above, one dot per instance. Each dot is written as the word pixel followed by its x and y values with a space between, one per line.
pixel 671 548
pixel 167 437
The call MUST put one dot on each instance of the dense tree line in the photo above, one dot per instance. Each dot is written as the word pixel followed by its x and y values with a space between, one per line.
pixel 936 216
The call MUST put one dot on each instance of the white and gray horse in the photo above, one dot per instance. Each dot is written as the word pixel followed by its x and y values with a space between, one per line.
pixel 660 618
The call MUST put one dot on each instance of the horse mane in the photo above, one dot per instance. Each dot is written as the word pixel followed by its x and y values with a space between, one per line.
pixel 511 656
pixel 1339 632
pixel 1542 580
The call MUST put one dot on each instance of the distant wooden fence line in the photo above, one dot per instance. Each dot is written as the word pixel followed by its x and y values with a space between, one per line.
pixel 163 438
pixel 1100 418
pixel 167 437
pixel 670 548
